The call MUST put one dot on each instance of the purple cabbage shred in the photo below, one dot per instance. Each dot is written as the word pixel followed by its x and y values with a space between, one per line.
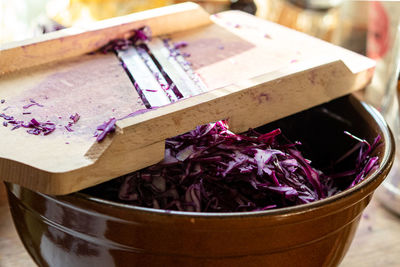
pixel 211 169
pixel 34 127
pixel 68 128
pixel 139 36
pixel 180 44
pixel 33 103
pixel 104 129
pixel 74 119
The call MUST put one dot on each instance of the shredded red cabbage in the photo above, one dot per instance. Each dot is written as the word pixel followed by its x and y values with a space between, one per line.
pixel 33 103
pixel 179 45
pixel 35 127
pixel 139 36
pixel 211 169
pixel 74 119
pixel 104 129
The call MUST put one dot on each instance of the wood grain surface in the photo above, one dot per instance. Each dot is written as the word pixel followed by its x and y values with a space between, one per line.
pixel 376 243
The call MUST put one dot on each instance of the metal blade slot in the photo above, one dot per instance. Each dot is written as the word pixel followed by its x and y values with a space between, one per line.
pixel 177 68
pixel 157 72
pixel 171 84
pixel 144 80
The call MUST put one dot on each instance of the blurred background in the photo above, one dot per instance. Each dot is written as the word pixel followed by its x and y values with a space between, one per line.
pixel 341 22
pixel 345 23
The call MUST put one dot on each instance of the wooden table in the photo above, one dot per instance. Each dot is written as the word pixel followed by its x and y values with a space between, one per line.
pixel 377 241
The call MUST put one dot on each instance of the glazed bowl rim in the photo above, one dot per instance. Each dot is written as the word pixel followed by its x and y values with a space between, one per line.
pixel 385 163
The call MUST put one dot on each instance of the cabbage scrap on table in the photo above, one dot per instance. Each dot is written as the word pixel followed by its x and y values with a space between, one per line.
pixel 211 169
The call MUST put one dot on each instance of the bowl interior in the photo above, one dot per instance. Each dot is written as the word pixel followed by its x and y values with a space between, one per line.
pixel 321 132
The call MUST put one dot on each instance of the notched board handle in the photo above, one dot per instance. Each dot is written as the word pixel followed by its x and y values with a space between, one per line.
pixel 98 148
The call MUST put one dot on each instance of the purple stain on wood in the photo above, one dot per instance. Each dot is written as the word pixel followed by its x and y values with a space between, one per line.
pixel 26 113
pixel 67 143
pixel 262 97
pixel 293 61
pixel 266 35
pixel 139 36
pixel 237 26
pixel 151 90
pixel 2 101
pixel 5 124
pixel 221 47
pixel 61 105
pixel 312 76
pixel 179 45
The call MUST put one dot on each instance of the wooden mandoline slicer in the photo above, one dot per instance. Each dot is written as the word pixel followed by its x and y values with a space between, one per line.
pixel 243 69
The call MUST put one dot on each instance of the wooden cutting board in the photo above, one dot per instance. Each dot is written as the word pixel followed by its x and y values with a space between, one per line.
pixel 254 72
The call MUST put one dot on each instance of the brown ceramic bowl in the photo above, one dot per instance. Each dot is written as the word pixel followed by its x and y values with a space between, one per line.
pixel 82 230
